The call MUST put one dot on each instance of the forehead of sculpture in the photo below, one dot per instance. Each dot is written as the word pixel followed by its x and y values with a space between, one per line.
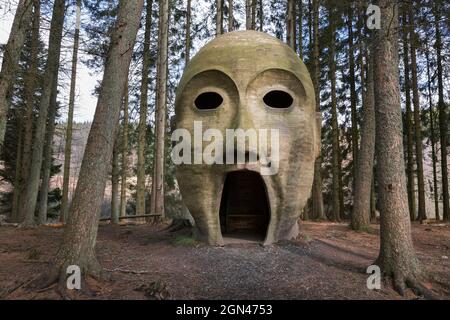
pixel 243 55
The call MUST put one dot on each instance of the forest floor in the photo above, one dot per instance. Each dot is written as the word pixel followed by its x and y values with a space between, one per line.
pixel 328 261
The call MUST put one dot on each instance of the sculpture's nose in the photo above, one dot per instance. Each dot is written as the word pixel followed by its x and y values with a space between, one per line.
pixel 243 119
pixel 246 137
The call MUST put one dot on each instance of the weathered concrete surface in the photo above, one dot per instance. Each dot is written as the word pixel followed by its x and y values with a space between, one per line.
pixel 243 67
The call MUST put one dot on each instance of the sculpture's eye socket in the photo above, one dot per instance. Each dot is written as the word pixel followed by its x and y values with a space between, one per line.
pixel 278 99
pixel 208 101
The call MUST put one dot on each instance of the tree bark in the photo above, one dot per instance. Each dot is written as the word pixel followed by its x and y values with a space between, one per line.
pixel 230 16
pixel 51 72
pixel 353 95
pixel 417 121
pixel 397 257
pixel 78 244
pixel 69 129
pixel 300 28
pixel 261 15
pixel 160 116
pixel 124 178
pixel 248 14
pixel 364 166
pixel 409 126
pixel 443 120
pixel 18 174
pixel 188 32
pixel 253 14
pixel 219 18
pixel 30 79
pixel 317 196
pixel 115 204
pixel 432 138
pixel 142 130
pixel 336 189
pixel 11 55
pixel 48 156
pixel 290 24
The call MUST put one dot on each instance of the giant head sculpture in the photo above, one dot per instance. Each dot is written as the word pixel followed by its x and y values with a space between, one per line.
pixel 250 83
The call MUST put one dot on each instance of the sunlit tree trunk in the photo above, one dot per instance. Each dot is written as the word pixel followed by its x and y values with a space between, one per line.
pixel 353 94
pixel 124 171
pixel 409 126
pixel 51 72
pixel 30 79
pixel 397 257
pixel 78 244
pixel 48 156
pixel 160 116
pixel 364 166
pixel 432 137
pixel 11 55
pixel 317 197
pixel 443 120
pixel 142 130
pixel 115 175
pixel 336 188
pixel 417 120
pixel 69 129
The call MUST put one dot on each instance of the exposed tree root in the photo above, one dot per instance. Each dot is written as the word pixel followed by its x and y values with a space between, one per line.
pixel 178 225
pixel 57 277
pixel 402 280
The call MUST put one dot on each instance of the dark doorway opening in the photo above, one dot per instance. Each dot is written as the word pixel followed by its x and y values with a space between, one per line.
pixel 244 209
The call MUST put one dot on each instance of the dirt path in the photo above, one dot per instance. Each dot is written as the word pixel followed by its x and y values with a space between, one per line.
pixel 327 262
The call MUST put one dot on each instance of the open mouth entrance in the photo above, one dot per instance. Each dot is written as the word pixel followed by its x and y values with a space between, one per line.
pixel 244 209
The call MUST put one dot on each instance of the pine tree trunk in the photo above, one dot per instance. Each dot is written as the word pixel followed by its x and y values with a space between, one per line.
pixel 443 120
pixel 290 24
pixel 124 171
pixel 17 174
pixel 353 95
pixel 364 166
pixel 248 14
pixel 51 72
pixel 253 14
pixel 336 188
pixel 78 245
pixel 30 88
pixel 142 130
pixel 219 18
pixel 417 121
pixel 317 196
pixel 115 204
pixel 187 57
pixel 432 139
pixel 397 257
pixel 160 116
pixel 230 16
pixel 300 28
pixel 48 156
pixel 69 129
pixel 409 126
pixel 11 55
pixel 261 15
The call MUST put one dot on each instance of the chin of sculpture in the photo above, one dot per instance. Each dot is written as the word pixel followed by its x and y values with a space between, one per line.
pixel 251 81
